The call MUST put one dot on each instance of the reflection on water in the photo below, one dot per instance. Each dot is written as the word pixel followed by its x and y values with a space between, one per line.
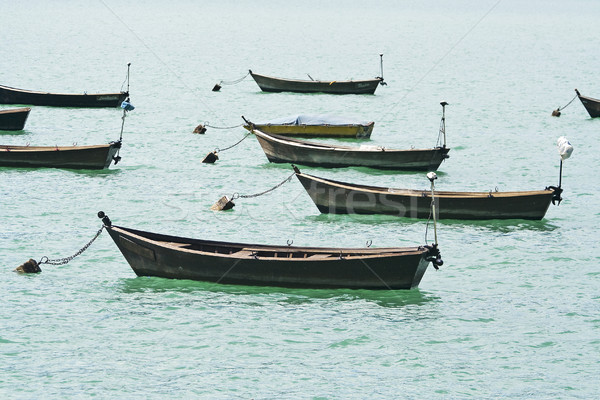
pixel 287 296
pixel 97 172
pixel 499 225
pixel 13 133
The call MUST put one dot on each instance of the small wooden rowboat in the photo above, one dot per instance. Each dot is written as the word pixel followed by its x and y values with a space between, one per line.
pixel 591 105
pixel 76 157
pixel 279 149
pixel 272 84
pixel 334 197
pixel 315 126
pixel 153 254
pixel 13 119
pixel 9 95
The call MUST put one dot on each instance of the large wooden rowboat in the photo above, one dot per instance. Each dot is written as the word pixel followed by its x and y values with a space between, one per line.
pixel 76 157
pixel 13 119
pixel 9 95
pixel 591 105
pixel 315 126
pixel 334 197
pixel 272 84
pixel 153 254
pixel 279 149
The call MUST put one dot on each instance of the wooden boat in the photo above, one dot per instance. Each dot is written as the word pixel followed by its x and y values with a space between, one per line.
pixel 591 105
pixel 315 126
pixel 153 254
pixel 76 157
pixel 336 197
pixel 272 84
pixel 9 95
pixel 279 149
pixel 13 119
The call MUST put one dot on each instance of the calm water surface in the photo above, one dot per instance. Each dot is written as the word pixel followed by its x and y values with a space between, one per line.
pixel 513 313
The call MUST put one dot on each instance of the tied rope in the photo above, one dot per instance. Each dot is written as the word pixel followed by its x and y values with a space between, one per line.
pixel 206 124
pixel 235 82
pixel 441 133
pixel 217 87
pixel 428 220
pixel 562 108
pixel 217 150
pixel 248 196
pixel 62 261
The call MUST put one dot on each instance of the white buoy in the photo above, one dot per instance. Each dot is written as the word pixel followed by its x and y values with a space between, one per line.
pixel 565 149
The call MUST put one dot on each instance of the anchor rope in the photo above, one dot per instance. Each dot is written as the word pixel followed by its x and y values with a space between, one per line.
pixel 562 108
pixel 217 150
pixel 123 84
pixel 235 82
pixel 441 131
pixel 222 127
pixel 427 224
pixel 248 196
pixel 62 261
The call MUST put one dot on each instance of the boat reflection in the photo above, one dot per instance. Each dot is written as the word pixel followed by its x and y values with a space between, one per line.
pixel 263 295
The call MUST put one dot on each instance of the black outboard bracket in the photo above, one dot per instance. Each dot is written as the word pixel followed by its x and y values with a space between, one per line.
pixel 556 198
pixel 434 256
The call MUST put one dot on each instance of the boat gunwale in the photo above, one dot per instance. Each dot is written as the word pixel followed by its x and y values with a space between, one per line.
pixel 248 250
pixel 60 94
pixel 588 98
pixel 424 192
pixel 16 110
pixel 316 81
pixel 327 147
pixel 23 149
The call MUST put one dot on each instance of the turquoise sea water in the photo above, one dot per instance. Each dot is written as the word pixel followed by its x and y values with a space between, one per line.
pixel 513 313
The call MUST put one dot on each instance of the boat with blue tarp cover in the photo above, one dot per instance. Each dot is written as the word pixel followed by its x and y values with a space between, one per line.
pixel 316 125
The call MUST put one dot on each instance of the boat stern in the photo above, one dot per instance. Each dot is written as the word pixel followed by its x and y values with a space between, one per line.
pixel 112 154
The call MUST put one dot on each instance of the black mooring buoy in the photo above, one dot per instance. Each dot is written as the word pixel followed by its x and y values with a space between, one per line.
pixel 200 129
pixel 216 88
pixel 211 157
pixel 556 113
pixel 29 267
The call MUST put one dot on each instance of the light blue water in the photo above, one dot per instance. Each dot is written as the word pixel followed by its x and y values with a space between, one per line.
pixel 513 313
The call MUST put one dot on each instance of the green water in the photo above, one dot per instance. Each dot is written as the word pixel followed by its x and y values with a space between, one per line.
pixel 513 313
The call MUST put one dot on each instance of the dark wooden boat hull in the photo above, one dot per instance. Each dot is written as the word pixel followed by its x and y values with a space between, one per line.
pixel 284 150
pixel 334 197
pixel 9 95
pixel 13 119
pixel 272 84
pixel 591 105
pixel 74 157
pixel 151 254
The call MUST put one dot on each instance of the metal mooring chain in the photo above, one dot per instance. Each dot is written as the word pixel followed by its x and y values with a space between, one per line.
pixel 62 261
